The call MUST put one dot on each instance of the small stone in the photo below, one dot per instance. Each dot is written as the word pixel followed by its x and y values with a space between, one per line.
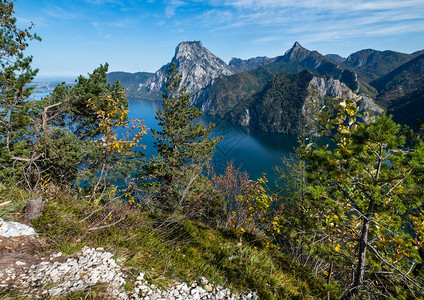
pixel 200 290
pixel 208 288
pixel 194 292
pixel 140 277
pixel 154 297
pixel 203 281
pixel 20 263
pixel 220 295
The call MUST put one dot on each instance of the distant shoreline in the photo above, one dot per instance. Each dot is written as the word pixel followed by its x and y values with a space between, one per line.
pixel 41 78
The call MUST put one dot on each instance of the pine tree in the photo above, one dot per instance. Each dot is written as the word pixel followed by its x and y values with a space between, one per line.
pixel 15 109
pixel 183 147
pixel 54 137
pixel 362 207
pixel 76 117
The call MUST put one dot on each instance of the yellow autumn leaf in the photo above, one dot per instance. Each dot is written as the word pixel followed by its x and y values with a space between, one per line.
pixel 337 248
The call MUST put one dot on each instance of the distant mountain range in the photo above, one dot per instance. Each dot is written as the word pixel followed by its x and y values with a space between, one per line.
pixel 401 92
pixel 276 94
pixel 371 64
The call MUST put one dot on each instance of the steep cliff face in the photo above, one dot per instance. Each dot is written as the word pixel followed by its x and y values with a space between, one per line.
pixel 321 87
pixel 327 91
pixel 289 102
pixel 197 65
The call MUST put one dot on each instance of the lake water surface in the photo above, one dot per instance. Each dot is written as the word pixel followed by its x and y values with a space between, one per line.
pixel 254 151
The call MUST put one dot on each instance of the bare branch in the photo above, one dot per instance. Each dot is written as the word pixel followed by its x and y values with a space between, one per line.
pixel 106 226
pixel 404 275
pixel 44 114
pixel 397 184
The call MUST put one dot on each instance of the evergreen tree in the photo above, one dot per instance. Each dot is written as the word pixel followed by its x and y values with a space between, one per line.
pixel 15 109
pixel 362 206
pixel 184 148
pixel 77 103
pixel 55 137
pixel 74 117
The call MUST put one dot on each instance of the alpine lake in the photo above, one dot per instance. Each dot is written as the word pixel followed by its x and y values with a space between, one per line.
pixel 253 151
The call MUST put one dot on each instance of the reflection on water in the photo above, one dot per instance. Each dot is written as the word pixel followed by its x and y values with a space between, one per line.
pixel 255 151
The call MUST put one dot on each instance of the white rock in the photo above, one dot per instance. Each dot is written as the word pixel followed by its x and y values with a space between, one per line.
pixel 200 290
pixel 93 266
pixel 12 229
pixel 203 280
pixel 208 288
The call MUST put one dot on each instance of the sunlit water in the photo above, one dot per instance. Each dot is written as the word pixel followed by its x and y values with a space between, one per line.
pixel 253 151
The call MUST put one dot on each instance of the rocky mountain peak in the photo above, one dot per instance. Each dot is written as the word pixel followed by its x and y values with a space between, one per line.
pixel 187 49
pixel 190 44
pixel 241 65
pixel 304 57
pixel 296 51
pixel 189 54
pixel 297 45
pixel 197 66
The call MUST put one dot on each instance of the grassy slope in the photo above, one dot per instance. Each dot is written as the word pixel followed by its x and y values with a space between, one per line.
pixel 182 251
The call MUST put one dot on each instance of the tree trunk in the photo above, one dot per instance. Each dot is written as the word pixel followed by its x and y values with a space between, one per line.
pixel 34 209
pixel 418 267
pixel 329 279
pixel 362 259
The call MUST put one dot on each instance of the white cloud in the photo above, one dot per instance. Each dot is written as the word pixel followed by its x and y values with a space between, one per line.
pixel 61 13
pixel 172 6
pixel 122 23
pixel 330 19
pixel 397 29
pixel 38 22
pixel 322 4
pixel 268 39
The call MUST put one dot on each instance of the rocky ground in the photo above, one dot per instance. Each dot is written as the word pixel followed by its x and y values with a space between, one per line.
pixel 28 266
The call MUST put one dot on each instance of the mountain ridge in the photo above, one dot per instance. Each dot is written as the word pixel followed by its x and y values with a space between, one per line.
pixel 288 102
pixel 223 89
pixel 196 64
pixel 372 64
pixel 401 92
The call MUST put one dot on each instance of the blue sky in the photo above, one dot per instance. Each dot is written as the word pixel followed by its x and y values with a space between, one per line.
pixel 137 35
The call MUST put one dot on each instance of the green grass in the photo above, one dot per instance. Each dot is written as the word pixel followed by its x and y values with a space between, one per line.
pixel 182 251
pixel 12 211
